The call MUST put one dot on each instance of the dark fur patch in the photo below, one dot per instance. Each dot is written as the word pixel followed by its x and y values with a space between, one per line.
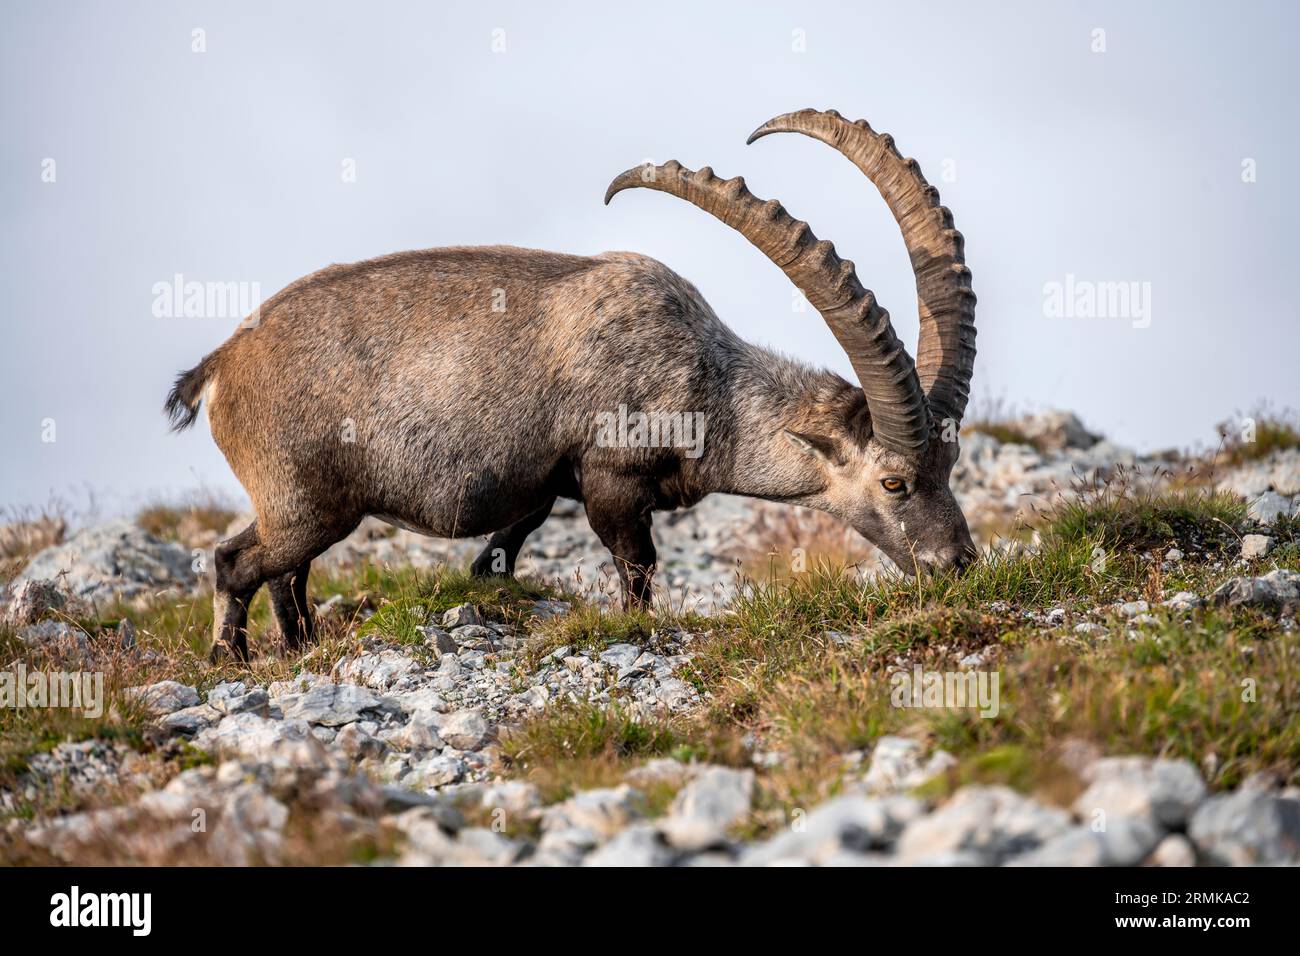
pixel 182 405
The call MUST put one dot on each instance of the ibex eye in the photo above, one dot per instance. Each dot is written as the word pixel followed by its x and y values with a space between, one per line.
pixel 893 485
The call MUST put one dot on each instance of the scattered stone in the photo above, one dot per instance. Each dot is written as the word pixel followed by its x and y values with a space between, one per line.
pixel 1164 791
pixel 1278 472
pixel 475 637
pixel 1268 507
pixel 715 800
pixel 423 701
pixel 417 735
pixel 357 744
pixel 545 610
pixel 380 670
pixel 1174 850
pixel 565 846
pixel 252 737
pixel 440 640
pixel 30 601
pixel 676 694
pixel 1277 592
pixel 234 697
pixel 849 823
pixel 638 845
pixel 1248 828
pixel 1125 841
pixel 56 635
pixel 992 823
pixel 421 719
pixel 84 768
pixel 515 797
pixel 333 705
pixel 190 720
pixel 299 684
pixel 1131 609
pixel 1255 546
pixel 620 656
pixel 433 772
pixel 245 823
pixel 465 730
pixel 164 697
pixel 1056 431
pixel 1184 602
pixel 604 812
pixel 478 846
pixel 117 560
pixel 897 765
pixel 461 615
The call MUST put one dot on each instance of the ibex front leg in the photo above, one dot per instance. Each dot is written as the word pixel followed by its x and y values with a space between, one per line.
pixel 503 550
pixel 621 519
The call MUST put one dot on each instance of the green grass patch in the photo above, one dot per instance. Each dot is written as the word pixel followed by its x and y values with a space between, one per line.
pixel 421 599
pixel 576 746
pixel 1116 519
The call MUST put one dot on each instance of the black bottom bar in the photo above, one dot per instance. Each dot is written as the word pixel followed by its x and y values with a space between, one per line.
pixel 185 904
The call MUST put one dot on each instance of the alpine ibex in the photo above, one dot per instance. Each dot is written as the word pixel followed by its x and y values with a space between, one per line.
pixel 473 379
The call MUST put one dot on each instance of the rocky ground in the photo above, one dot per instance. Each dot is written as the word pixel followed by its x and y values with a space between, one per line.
pixel 422 734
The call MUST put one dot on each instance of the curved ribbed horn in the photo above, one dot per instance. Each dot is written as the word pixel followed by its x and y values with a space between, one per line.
pixel 945 355
pixel 899 416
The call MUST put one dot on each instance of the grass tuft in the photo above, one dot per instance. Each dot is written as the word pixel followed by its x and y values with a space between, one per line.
pixel 576 746
pixel 1259 435
pixel 197 522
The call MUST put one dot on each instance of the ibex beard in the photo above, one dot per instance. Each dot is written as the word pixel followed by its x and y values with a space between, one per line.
pixel 458 392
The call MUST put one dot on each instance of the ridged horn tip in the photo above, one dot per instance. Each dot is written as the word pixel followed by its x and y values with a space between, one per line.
pixel 646 174
pixel 781 124
pixel 622 181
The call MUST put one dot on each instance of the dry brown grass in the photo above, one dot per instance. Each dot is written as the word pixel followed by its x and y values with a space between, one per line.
pixel 196 522
pixel 26 532
pixel 780 541
pixel 1258 434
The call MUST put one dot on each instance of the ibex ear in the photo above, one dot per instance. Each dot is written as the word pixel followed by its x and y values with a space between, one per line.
pixel 819 446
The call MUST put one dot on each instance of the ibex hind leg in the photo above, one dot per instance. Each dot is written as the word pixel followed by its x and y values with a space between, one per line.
pixel 238 576
pixel 262 553
pixel 620 517
pixel 292 611
pixel 502 550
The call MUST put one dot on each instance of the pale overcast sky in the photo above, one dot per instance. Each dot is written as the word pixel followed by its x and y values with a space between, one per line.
pixel 228 165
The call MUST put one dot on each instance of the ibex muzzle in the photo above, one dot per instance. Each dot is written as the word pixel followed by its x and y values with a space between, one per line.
pixel 461 391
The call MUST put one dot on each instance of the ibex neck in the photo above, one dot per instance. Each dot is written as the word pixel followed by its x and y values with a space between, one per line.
pixel 751 454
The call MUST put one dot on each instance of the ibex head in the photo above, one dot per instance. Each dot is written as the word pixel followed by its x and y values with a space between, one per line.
pixel 882 463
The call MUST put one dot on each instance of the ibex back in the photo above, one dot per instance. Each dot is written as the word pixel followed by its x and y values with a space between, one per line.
pixel 460 391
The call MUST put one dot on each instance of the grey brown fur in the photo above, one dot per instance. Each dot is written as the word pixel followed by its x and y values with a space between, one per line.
pixel 457 392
